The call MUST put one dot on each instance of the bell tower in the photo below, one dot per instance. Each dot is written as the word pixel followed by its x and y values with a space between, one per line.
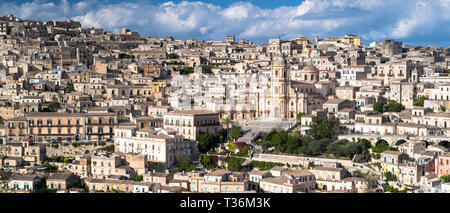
pixel 279 86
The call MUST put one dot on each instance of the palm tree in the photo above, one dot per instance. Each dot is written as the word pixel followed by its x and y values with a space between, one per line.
pixel 227 122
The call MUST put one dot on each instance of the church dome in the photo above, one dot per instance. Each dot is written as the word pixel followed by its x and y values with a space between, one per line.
pixel 310 67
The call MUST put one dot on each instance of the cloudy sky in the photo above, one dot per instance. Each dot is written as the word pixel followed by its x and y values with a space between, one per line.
pixel 422 22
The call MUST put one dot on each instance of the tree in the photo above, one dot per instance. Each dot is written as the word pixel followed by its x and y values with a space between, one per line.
pixel 69 87
pixel 245 150
pixel 234 164
pixel 205 142
pixel 233 147
pixel 50 167
pixel 140 178
pixel 366 142
pixel 266 145
pixel 227 122
pixel 442 108
pixel 186 165
pixel 381 147
pixel 390 177
pixel 446 178
pixel 172 56
pixel 264 165
pixel 54 105
pixel 109 148
pixel 279 141
pixel 316 147
pixel 235 132
pixel 293 144
pixel 207 161
pixel 186 70
pixel 420 102
pixel 393 106
pixel 378 106
pixel 322 127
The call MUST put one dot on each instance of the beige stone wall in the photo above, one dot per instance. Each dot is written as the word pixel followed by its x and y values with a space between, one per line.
pixel 70 150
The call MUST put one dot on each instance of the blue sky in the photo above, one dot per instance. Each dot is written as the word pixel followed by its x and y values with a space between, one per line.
pixel 421 22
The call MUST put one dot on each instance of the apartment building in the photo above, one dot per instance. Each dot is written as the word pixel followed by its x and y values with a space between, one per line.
pixel 162 147
pixel 293 181
pixel 58 127
pixel 442 165
pixel 192 123
pixel 222 181
pixel 390 161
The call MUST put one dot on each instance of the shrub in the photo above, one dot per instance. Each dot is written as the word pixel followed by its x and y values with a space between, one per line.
pixel 263 165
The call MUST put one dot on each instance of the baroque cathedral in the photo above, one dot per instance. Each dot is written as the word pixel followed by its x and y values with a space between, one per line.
pixel 292 91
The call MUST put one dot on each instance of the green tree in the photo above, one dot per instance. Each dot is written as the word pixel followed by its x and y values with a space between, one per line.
pixel 54 105
pixel 389 176
pixel 245 150
pixel 393 106
pixel 235 132
pixel 69 87
pixel 264 165
pixel 383 146
pixel 227 122
pixel 207 161
pixel 186 165
pixel 322 127
pixel 172 56
pixel 442 108
pixel 50 167
pixel 186 70
pixel 266 145
pixel 293 144
pixel 446 178
pixel 205 142
pixel 233 147
pixel 234 164
pixel 140 178
pixel 378 106
pixel 366 142
pixel 315 147
pixel 279 141
pixel 420 102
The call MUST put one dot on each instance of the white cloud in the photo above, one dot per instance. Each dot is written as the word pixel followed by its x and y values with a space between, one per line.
pixel 238 11
pixel 381 19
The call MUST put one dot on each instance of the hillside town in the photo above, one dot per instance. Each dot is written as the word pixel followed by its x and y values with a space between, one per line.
pixel 85 110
